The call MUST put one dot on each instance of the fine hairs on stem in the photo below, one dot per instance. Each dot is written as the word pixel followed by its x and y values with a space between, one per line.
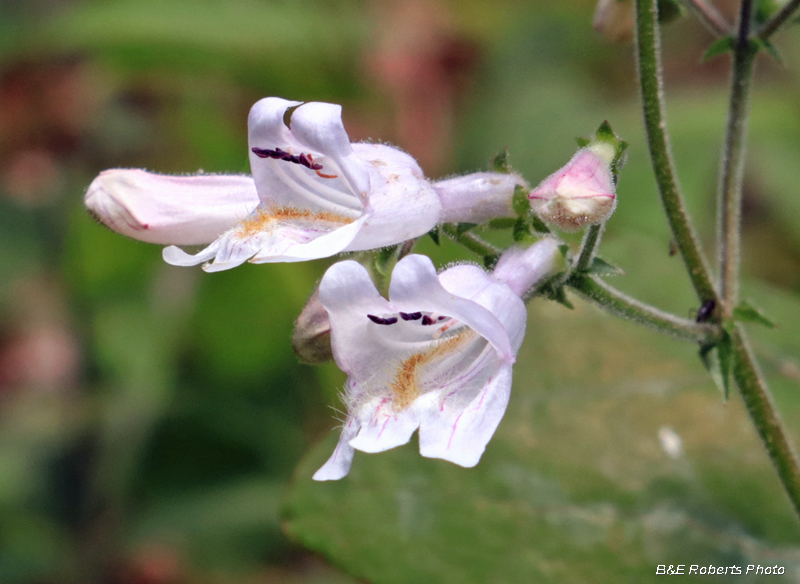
pixel 745 372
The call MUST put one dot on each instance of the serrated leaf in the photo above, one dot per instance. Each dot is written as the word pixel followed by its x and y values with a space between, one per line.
pixel 746 312
pixel 434 235
pixel 603 268
pixel 500 162
pixel 720 47
pixel 521 231
pixel 520 202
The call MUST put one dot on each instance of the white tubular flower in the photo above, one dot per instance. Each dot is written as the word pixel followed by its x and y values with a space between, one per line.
pixel 181 210
pixel 437 356
pixel 478 197
pixel 319 194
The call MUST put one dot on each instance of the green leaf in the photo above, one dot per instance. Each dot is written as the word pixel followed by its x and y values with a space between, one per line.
pixel 759 44
pixel 717 361
pixel 434 234
pixel 520 202
pixel 746 312
pixel 383 259
pixel 522 230
pixel 720 47
pixel 500 162
pixel 502 223
pixel 490 260
pixel 462 228
pixel 603 268
pixel 538 225
pixel 583 142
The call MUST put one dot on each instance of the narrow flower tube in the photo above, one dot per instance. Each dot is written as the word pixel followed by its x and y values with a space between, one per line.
pixel 182 210
pixel 581 193
pixel 436 357
pixel 523 269
pixel 478 197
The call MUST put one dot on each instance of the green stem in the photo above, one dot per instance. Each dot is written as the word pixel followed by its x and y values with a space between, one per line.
pixel 589 246
pixel 765 417
pixel 708 16
pixel 778 20
pixel 648 51
pixel 620 304
pixel 471 241
pixel 729 220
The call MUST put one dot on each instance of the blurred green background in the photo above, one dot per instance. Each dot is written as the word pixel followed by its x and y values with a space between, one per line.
pixel 152 417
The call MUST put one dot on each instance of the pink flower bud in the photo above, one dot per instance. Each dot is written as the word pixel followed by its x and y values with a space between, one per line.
pixel 581 193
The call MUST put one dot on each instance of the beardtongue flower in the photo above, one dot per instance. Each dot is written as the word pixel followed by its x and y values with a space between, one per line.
pixel 436 356
pixel 581 193
pixel 317 195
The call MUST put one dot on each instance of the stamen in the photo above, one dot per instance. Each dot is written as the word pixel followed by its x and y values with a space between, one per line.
pixel 410 315
pixel 303 160
pixel 379 320
pixel 426 320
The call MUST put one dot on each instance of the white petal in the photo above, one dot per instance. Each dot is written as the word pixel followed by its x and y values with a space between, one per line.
pixel 461 437
pixel 478 197
pixel 179 210
pixel 415 286
pixel 338 465
pixel 348 294
pixel 402 205
pixel 385 430
pixel 472 283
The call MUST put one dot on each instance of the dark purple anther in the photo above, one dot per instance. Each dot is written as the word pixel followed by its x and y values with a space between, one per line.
pixel 304 161
pixel 427 320
pixel 379 320
pixel 441 318
pixel 410 315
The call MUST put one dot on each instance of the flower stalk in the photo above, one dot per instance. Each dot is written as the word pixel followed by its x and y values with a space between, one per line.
pixel 622 305
pixel 708 17
pixel 732 170
pixel 648 53
pixel 778 20
pixel 591 240
pixel 748 379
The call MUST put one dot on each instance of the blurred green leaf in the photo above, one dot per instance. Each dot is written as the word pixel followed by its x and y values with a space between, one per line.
pixel 746 312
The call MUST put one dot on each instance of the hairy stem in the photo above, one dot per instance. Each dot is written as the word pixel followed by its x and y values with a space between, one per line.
pixel 765 417
pixel 729 206
pixel 778 20
pixel 708 16
pixel 648 52
pixel 471 241
pixel 589 246
pixel 620 304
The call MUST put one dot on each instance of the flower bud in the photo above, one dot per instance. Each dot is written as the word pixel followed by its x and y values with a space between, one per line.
pixel 478 197
pixel 522 269
pixel 582 192
pixel 179 210
pixel 614 20
pixel 311 339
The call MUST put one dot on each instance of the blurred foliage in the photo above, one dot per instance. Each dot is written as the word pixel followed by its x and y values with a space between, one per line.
pixel 151 416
